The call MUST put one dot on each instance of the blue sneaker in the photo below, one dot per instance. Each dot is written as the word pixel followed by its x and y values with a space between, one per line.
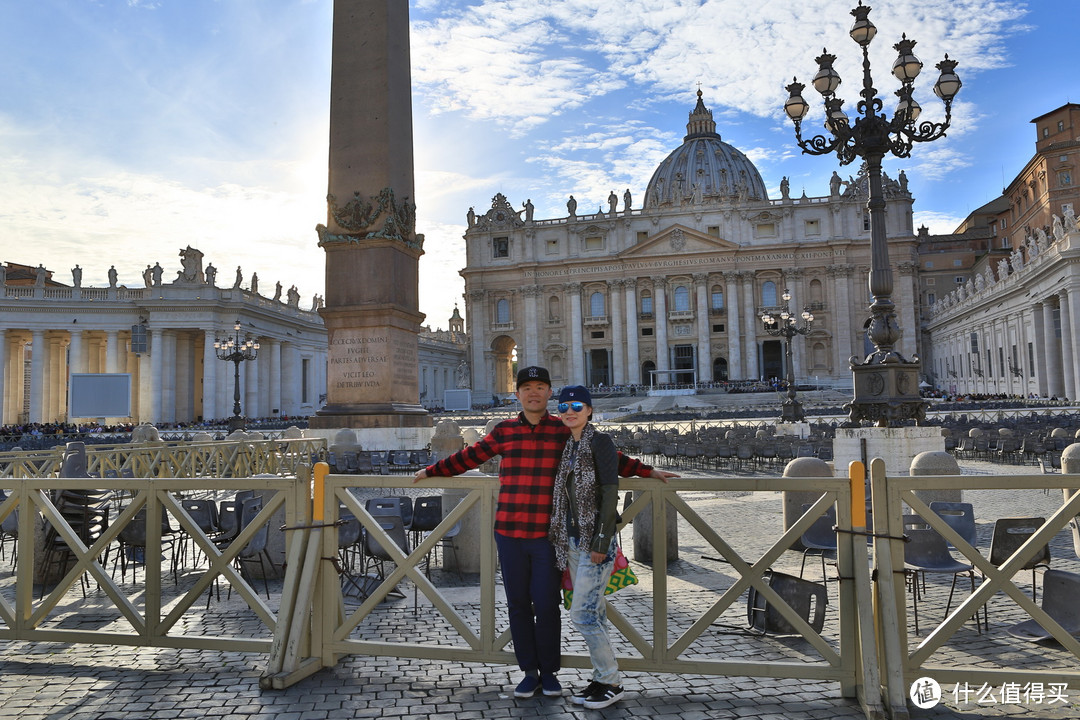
pixel 551 685
pixel 527 687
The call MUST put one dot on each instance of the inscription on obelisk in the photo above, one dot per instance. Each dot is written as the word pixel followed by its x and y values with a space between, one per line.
pixel 372 249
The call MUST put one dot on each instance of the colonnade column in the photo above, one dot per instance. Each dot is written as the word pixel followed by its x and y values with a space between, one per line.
pixel 273 347
pixel 731 301
pixel 290 388
pixel 633 357
pixel 1071 352
pixel 249 391
pixel 1055 383
pixel 112 353
pixel 705 370
pixel 618 349
pixel 1067 344
pixel 749 314
pixel 210 394
pixel 660 303
pixel 37 375
pixel 531 356
pixel 55 381
pixel 1038 325
pixel 577 343
pixel 14 398
pixel 3 377
pixel 157 366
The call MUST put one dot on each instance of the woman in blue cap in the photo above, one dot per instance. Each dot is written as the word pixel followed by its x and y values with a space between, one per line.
pixel 583 518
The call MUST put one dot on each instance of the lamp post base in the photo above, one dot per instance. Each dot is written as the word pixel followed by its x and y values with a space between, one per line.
pixel 237 423
pixel 886 393
pixel 791 411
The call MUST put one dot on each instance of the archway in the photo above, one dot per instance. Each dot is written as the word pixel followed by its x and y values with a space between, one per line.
pixel 503 352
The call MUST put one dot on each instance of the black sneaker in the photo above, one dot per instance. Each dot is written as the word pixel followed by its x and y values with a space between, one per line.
pixel 605 695
pixel 580 696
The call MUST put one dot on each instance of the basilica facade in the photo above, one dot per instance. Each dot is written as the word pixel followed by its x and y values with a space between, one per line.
pixel 673 292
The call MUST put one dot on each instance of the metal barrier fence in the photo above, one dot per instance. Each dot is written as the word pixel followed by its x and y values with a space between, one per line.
pixel 243 458
pixel 140 618
pixel 869 651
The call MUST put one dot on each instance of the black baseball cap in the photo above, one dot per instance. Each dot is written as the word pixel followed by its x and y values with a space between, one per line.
pixel 531 373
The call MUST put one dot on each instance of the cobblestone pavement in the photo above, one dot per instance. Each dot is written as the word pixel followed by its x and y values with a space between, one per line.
pixel 50 681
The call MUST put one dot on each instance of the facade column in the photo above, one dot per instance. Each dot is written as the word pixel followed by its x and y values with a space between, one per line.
pixel 842 313
pixel 705 369
pixel 55 377
pixel 618 345
pixel 112 353
pixel 750 322
pixel 793 282
pixel 37 375
pixel 1055 381
pixel 15 397
pixel 1038 325
pixel 478 324
pixel 660 306
pixel 577 343
pixel 210 392
pixel 909 325
pixel 76 357
pixel 633 355
pixel 734 333
pixel 531 356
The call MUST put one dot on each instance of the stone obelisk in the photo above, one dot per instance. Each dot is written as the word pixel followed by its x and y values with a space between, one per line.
pixel 372 312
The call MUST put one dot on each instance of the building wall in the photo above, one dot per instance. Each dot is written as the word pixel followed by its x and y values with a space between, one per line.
pixel 568 292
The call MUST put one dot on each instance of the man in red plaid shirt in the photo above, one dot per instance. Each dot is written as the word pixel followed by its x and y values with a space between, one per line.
pixel 531 446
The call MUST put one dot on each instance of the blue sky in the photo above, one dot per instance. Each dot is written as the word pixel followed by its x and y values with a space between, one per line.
pixel 132 128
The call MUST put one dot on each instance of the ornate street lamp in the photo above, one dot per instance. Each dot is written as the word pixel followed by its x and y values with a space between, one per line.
pixel 785 325
pixel 236 351
pixel 886 384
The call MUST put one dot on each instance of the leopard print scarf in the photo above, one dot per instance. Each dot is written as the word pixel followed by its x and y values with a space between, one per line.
pixel 583 470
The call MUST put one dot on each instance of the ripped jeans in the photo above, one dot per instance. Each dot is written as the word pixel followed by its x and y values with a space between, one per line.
pixel 588 612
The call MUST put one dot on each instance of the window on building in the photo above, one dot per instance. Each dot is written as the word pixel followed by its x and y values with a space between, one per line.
pixel 646 332
pixel 817 292
pixel 597 334
pixel 717 299
pixel 502 312
pixel 594 243
pixel 929 264
pixel 957 263
pixel 866 220
pixel 1061 126
pixel 642 235
pixel 768 293
pixel 1065 178
pixel 931 282
pixel 552 247
pixel 553 309
pixel 931 298
pixel 959 279
pixel 813 227
pixel 766 229
pixel 682 299
pixel 718 328
pixel 1006 243
pixel 500 247
pixel 714 230
pixel 596 305
pixel 1046 132
pixel 646 304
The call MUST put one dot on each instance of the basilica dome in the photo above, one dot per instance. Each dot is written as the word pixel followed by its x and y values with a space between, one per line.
pixel 704 169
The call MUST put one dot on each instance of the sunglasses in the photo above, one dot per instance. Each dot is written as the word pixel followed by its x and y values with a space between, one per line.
pixel 576 406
